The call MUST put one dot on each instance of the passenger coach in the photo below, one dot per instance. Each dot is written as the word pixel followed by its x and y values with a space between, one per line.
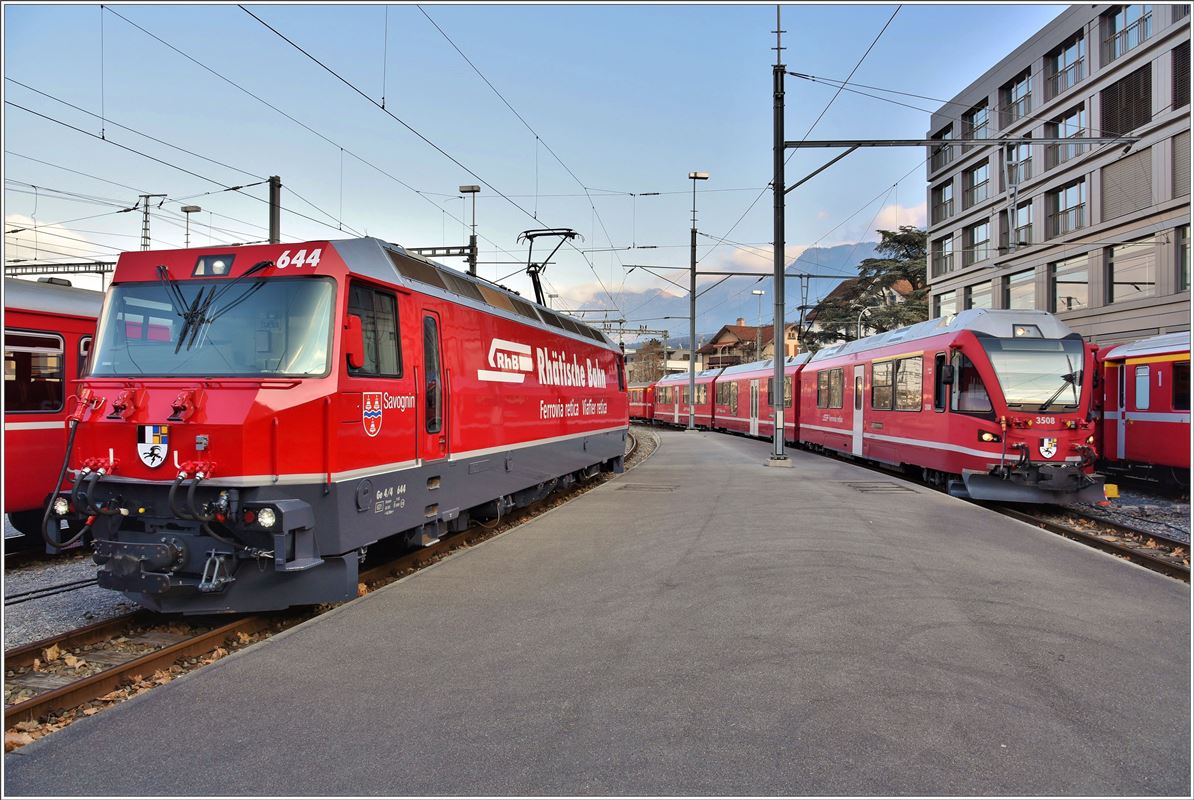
pixel 995 404
pixel 256 417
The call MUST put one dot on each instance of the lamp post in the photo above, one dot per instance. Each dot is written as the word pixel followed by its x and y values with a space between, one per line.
pixel 188 211
pixel 472 239
pixel 692 293
pixel 759 325
pixel 858 335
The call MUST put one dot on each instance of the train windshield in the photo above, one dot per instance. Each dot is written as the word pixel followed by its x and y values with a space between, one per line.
pixel 1043 373
pixel 275 327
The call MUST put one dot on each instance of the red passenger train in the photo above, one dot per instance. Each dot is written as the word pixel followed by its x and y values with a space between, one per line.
pixel 48 328
pixel 642 401
pixel 1146 408
pixel 255 417
pixel 992 404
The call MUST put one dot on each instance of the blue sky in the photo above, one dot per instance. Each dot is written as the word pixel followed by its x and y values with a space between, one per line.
pixel 631 98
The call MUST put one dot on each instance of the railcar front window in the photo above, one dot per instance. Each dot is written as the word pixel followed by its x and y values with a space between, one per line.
pixel 282 330
pixel 1043 373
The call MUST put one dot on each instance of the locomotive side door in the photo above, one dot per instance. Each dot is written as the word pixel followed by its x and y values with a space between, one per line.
pixel 754 407
pixel 856 447
pixel 1121 417
pixel 434 403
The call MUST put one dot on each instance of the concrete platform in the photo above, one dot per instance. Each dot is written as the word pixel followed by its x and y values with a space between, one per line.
pixel 702 625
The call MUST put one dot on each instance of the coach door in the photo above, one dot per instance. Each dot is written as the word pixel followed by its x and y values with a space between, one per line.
pixel 1121 415
pixel 754 407
pixel 434 404
pixel 859 381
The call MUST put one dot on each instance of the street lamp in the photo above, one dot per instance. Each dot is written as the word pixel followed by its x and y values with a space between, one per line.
pixel 551 297
pixel 759 326
pixel 189 210
pixel 692 293
pixel 472 239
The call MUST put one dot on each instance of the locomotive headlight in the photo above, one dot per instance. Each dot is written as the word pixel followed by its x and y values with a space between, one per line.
pixel 1090 439
pixel 266 517
pixel 61 506
pixel 987 436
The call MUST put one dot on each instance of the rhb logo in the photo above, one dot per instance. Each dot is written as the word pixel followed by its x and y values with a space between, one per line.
pixel 371 412
pixel 510 362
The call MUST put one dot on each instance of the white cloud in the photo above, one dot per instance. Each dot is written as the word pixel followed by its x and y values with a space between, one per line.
pixel 894 215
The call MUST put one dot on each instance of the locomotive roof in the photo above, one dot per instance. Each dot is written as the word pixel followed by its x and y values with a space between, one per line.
pixel 767 363
pixel 393 263
pixel 682 377
pixel 1152 346
pixel 52 298
pixel 990 321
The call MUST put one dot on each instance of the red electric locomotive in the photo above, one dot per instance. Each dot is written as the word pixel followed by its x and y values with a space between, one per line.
pixel 742 399
pixel 672 401
pixel 1146 408
pixel 48 328
pixel 642 401
pixel 255 417
pixel 997 404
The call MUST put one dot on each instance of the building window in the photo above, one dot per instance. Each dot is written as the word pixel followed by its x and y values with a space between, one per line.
pixel 1067 208
pixel 1069 125
pixel 1071 284
pixel 1127 185
pixel 1128 103
pixel 1181 164
pixel 1181 75
pixel 1182 235
pixel 1124 28
pixel 1181 11
pixel 974 122
pixel 974 184
pixel 979 295
pixel 946 304
pixel 977 240
pixel 943 202
pixel 1021 232
pixel 1064 66
pixel 944 154
pixel 943 255
pixel 1133 270
pixel 1019 290
pixel 1016 98
pixel 1019 163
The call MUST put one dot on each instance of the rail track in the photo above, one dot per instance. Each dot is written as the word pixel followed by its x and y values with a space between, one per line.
pixel 50 681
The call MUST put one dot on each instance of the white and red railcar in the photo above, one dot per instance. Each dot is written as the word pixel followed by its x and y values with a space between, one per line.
pixel 672 399
pixel 642 401
pixel 48 328
pixel 255 417
pixel 742 398
pixel 1146 407
pixel 997 403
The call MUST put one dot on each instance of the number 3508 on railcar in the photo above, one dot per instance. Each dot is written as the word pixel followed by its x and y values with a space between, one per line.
pixel 255 417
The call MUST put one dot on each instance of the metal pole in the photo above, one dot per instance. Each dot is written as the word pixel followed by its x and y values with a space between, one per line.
pixel 692 292
pixel 777 189
pixel 275 209
pixel 472 241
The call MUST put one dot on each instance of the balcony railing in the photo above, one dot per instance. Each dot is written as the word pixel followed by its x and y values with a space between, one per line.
pixel 1129 38
pixel 1071 219
pixel 1023 235
pixel 1015 109
pixel 977 252
pixel 942 263
pixel 1063 79
pixel 941 156
pixel 975 194
pixel 1019 172
pixel 943 211
pixel 1060 153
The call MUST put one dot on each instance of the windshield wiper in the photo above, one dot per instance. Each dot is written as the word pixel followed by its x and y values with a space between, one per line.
pixel 195 316
pixel 1069 379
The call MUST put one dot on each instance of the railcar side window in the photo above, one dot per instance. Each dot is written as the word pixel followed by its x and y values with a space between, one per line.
pixel 1181 386
pixel 33 372
pixel 434 403
pixel 939 388
pixel 909 384
pixel 1142 387
pixel 969 395
pixel 881 382
pixel 822 389
pixel 379 328
pixel 835 381
pixel 788 391
pixel 84 354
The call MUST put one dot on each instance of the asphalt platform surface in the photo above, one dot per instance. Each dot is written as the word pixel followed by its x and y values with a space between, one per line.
pixel 703 625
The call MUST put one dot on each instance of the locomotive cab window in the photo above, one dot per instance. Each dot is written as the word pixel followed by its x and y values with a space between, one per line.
pixel 379 329
pixel 84 354
pixel 34 378
pixel 968 394
pixel 1181 386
